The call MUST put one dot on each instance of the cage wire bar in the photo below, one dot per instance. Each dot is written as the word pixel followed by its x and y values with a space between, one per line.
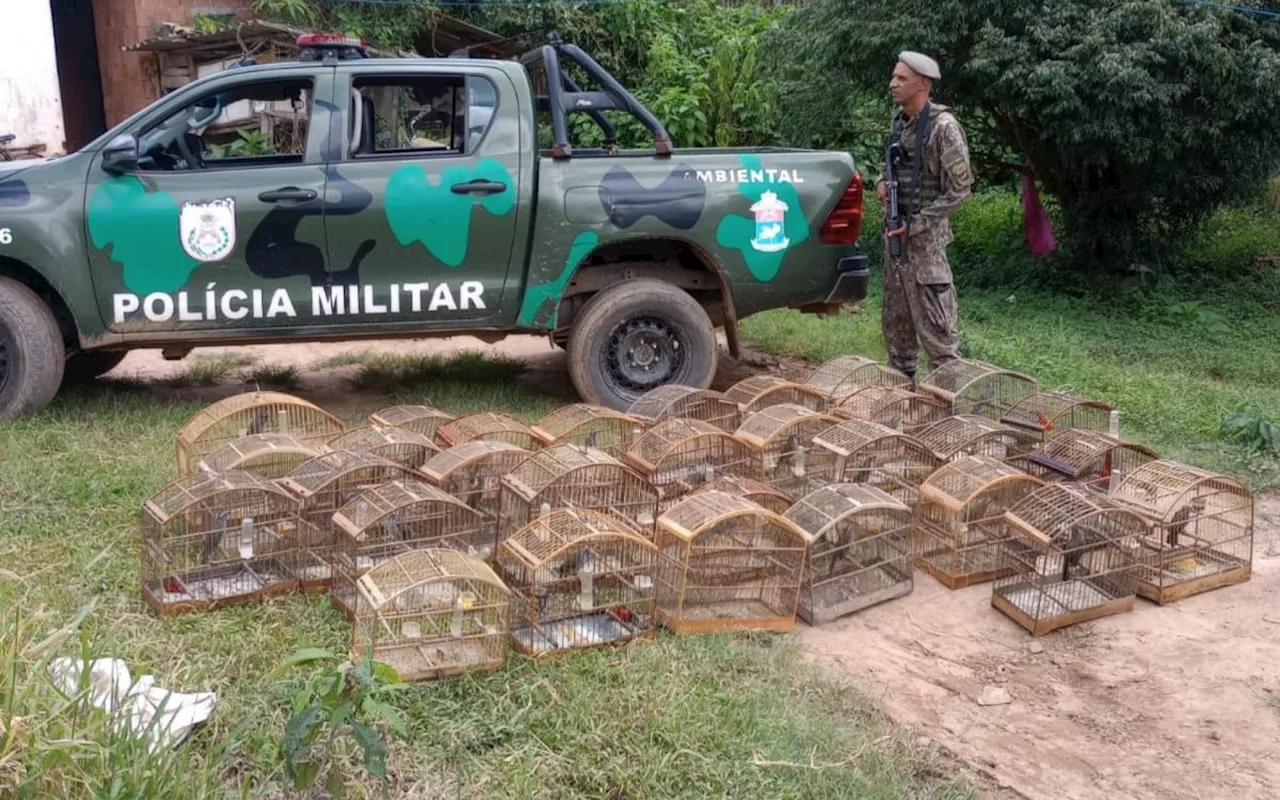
pixel 424 420
pixel 591 425
pixel 580 579
pixel 960 520
pixel 751 489
pixel 1070 559
pixel 264 455
pixel 1078 455
pixel 977 388
pixel 781 441
pixel 215 540
pixel 761 391
pixel 432 613
pixel 971 435
pixel 487 426
pixel 686 402
pixel 875 455
pixel 859 550
pixel 473 473
pixel 401 445
pixel 248 414
pixel 893 407
pixel 726 563
pixel 845 375
pixel 1045 413
pixel 678 455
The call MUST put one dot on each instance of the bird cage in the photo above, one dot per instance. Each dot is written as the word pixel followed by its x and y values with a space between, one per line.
pixel 473 472
pixel 394 518
pixel 761 494
pixel 213 540
pixel 761 391
pixel 264 455
pixel 580 579
pixel 874 455
pixel 1201 535
pixel 1078 455
pixel 1070 558
pixel 686 402
pixel 892 406
pixel 323 485
pixel 859 550
pixel 781 441
pixel 248 414
pixel 575 476
pixel 725 563
pixel 432 613
pixel 419 419
pixel 970 435
pixel 1047 413
pixel 960 520
pixel 978 388
pixel 678 455
pixel 488 426
pixel 401 445
pixel 844 375
pixel 594 426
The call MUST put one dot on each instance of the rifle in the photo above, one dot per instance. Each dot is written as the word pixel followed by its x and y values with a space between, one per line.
pixel 893 216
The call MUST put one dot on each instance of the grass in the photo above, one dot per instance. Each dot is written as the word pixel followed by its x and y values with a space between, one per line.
pixel 207 370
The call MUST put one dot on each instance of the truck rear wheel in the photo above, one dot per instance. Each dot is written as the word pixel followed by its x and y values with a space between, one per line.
pixel 31 351
pixel 637 336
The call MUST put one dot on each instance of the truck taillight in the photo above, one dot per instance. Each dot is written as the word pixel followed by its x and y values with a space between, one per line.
pixel 844 223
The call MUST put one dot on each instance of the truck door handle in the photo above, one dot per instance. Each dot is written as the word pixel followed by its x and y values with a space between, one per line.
pixel 287 193
pixel 479 187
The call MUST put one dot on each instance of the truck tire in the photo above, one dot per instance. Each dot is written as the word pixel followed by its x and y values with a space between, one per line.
pixel 31 351
pixel 87 365
pixel 637 336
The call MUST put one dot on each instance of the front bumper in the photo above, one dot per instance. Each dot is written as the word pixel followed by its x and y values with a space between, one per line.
pixel 853 275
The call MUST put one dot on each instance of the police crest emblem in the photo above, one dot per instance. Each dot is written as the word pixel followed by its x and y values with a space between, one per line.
pixel 208 230
pixel 771 213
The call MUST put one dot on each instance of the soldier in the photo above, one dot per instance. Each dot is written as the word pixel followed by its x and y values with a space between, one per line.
pixel 934 178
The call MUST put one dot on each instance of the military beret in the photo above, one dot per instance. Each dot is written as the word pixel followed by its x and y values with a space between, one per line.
pixel 920 64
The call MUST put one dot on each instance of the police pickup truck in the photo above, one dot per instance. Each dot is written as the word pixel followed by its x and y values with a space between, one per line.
pixel 412 197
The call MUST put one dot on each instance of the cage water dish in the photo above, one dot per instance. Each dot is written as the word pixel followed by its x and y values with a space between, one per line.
pixel 875 455
pixel 761 494
pixel 424 420
pixel 586 424
pixel 473 472
pixel 1070 557
pixel 686 402
pixel 401 445
pixel 1048 413
pixel 893 407
pixel 761 391
pixel 487 427
pixel 970 435
pixel 844 375
pixel 1084 456
pixel 725 563
pixel 397 517
pixel 248 414
pixel 977 388
pixel 432 613
pixel 960 521
pixel 213 540
pixel 579 579
pixel 679 455
pixel 781 440
pixel 265 455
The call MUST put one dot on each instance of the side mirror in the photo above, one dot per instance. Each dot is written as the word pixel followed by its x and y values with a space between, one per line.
pixel 120 155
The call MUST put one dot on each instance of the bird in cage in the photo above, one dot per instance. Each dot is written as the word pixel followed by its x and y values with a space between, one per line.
pixel 591 441
pixel 1181 519
pixel 986 399
pixel 260 423
pixel 1071 552
pixel 213 539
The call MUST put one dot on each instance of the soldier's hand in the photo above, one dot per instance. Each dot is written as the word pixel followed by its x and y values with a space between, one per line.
pixel 882 192
pixel 898 233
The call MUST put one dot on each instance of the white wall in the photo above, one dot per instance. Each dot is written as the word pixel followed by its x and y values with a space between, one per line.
pixel 30 101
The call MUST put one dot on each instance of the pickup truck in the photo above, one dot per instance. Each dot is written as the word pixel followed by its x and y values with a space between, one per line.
pixel 405 198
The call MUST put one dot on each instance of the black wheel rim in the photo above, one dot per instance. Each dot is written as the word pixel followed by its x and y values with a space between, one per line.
pixel 644 352
pixel 4 362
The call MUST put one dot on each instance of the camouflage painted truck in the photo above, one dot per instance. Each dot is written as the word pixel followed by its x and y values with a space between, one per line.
pixel 406 197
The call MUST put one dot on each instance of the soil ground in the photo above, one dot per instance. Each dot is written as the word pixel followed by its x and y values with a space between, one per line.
pixel 1181 701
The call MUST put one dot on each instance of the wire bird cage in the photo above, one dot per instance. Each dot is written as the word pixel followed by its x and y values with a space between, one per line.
pixel 580 579
pixel 1201 535
pixel 214 540
pixel 844 375
pixel 859 550
pixel 591 425
pixel 394 518
pixel 970 435
pixel 761 391
pixel 686 402
pixel 960 521
pixel 679 455
pixel 401 445
pixel 252 413
pixel 978 388
pixel 473 472
pixel 893 407
pixel 761 494
pixel 419 419
pixel 322 486
pixel 264 455
pixel 875 455
pixel 1047 413
pixel 781 441
pixel 1071 558
pixel 579 477
pixel 1077 455
pixel 488 426
pixel 432 613
pixel 726 563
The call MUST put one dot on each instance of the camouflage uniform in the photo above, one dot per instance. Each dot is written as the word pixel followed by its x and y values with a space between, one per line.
pixel 919 295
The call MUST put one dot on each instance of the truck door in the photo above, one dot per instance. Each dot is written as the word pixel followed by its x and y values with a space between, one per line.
pixel 425 206
pixel 219 224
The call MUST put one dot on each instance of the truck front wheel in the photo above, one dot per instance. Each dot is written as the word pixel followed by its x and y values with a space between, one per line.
pixel 31 351
pixel 636 336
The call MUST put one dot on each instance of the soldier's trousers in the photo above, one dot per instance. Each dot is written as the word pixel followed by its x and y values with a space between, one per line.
pixel 919 309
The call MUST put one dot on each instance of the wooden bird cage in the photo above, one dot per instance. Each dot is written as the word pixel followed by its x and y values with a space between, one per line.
pixel 432 613
pixel 725 563
pixel 844 375
pixel 977 388
pixel 264 455
pixel 686 402
pixel 761 391
pixel 585 424
pixel 781 441
pixel 874 455
pixel 214 540
pixel 578 477
pixel 893 407
pixel 473 472
pixel 580 579
pixel 488 426
pixel 401 445
pixel 322 486
pixel 1201 535
pixel 394 518
pixel 1077 455
pixel 761 494
pixel 859 550
pixel 1048 413
pixel 425 420
pixel 248 414
pixel 960 519
pixel 678 455
pixel 1070 558
pixel 971 435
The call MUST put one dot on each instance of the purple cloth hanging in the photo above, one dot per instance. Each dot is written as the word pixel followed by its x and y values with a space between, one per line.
pixel 1036 227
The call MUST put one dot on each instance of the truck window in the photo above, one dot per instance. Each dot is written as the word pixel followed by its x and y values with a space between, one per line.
pixel 421 115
